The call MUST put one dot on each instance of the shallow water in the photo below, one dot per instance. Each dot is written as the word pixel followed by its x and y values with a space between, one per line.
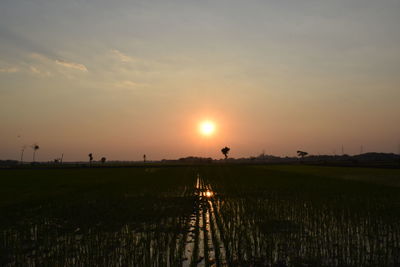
pixel 204 225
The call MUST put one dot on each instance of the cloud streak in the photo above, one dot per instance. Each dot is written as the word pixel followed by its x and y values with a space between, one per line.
pixel 9 70
pixel 129 84
pixel 121 56
pixel 37 71
pixel 72 65
pixel 66 64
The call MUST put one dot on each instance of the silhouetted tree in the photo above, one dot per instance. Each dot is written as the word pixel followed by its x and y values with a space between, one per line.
pixel 59 160
pixel 103 159
pixel 90 158
pixel 225 151
pixel 144 158
pixel 35 147
pixel 301 154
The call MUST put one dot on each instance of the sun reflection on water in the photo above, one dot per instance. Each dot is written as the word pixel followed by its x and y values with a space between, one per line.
pixel 208 193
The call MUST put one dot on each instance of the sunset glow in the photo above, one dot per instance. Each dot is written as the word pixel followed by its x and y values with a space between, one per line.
pixel 190 133
pixel 207 128
pixel 250 75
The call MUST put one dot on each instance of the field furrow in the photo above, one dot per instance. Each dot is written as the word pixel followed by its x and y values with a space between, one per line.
pixel 198 216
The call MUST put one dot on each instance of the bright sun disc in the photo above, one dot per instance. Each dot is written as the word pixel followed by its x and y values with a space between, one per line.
pixel 207 128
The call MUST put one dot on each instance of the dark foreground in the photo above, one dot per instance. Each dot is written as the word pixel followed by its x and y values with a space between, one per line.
pixel 223 215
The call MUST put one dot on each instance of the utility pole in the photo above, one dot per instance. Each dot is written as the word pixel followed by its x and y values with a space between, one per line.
pixel 399 153
pixel 342 150
pixel 22 153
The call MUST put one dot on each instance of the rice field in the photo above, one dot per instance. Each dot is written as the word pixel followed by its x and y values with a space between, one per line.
pixel 211 215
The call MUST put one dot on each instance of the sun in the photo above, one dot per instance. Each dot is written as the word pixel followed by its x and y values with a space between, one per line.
pixel 207 128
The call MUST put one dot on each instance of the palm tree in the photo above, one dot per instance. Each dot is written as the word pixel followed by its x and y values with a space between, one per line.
pixel 90 158
pixel 225 151
pixel 35 147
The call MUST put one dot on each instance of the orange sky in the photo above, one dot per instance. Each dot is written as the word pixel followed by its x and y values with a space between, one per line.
pixel 124 79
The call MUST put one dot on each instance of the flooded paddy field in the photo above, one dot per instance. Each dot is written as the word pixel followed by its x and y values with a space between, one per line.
pixel 212 215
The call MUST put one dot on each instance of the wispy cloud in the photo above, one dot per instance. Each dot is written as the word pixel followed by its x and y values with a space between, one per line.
pixel 121 56
pixel 9 70
pixel 72 65
pixel 37 71
pixel 34 70
pixel 45 60
pixel 129 84
pixel 39 57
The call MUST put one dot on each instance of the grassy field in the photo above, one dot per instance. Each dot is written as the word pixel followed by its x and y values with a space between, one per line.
pixel 211 215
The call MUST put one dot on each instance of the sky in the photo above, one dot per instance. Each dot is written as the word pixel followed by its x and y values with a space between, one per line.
pixel 125 78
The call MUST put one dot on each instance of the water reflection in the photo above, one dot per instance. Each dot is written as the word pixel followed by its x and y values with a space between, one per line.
pixel 132 231
pixel 203 189
pixel 208 193
pixel 203 227
pixel 205 247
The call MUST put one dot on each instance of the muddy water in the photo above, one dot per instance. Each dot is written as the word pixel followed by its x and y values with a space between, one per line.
pixel 206 245
pixel 215 230
pixel 170 240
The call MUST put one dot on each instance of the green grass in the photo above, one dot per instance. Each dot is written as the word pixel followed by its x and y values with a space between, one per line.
pixel 27 186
